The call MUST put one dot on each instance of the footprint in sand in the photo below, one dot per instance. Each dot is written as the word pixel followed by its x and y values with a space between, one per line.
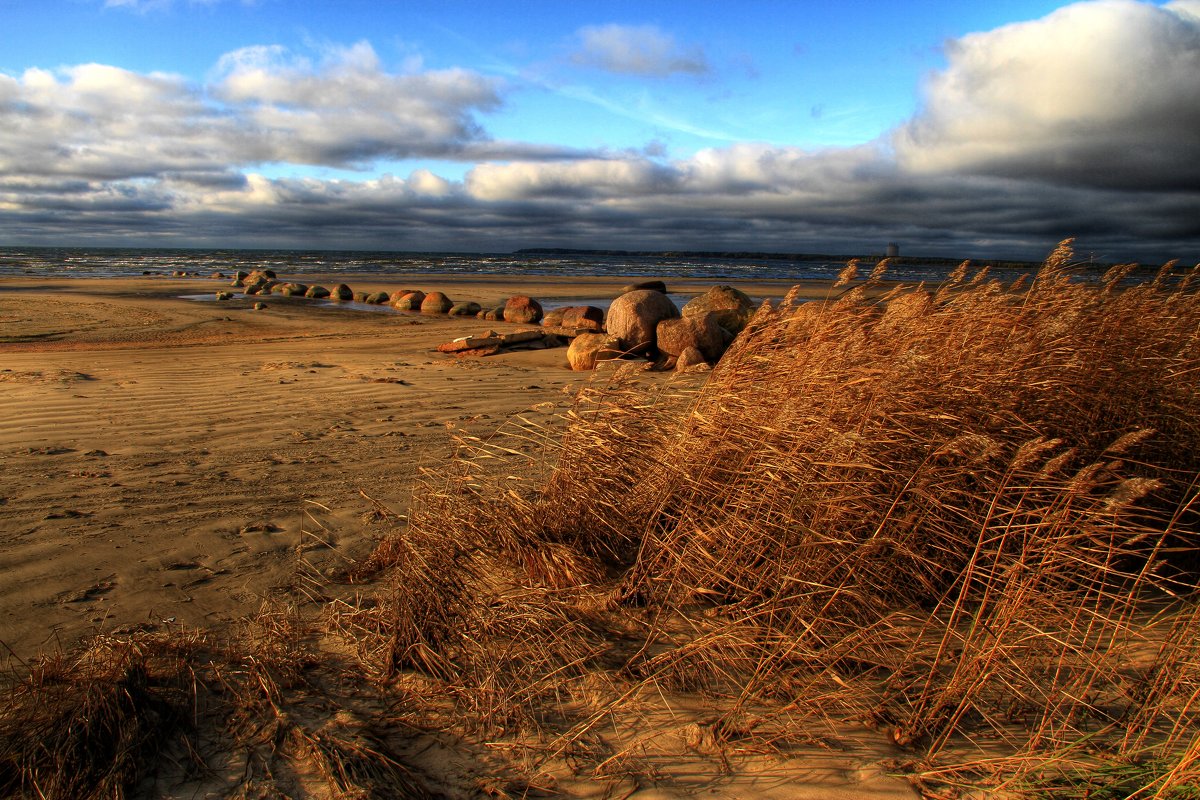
pixel 88 592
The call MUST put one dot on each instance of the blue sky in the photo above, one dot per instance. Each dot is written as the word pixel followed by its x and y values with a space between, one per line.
pixel 988 129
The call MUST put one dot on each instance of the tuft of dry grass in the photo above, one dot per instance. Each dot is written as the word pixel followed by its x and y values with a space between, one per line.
pixel 965 514
pixel 92 725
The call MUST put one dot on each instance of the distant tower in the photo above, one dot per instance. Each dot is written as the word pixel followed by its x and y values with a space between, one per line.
pixel 893 250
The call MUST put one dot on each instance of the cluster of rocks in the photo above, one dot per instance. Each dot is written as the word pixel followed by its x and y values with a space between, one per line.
pixel 518 309
pixel 643 321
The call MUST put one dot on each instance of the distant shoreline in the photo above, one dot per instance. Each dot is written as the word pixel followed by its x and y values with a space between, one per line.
pixel 928 261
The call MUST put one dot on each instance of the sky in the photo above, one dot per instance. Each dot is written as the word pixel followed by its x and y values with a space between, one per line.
pixel 974 130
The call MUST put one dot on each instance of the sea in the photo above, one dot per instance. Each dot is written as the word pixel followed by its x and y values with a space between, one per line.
pixel 116 262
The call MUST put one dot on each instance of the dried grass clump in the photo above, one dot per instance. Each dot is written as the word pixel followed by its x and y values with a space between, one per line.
pixel 94 724
pixel 965 515
pixel 174 713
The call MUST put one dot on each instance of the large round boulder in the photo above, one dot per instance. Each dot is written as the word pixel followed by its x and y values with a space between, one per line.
pixel 586 317
pixel 410 301
pixel 317 292
pixel 377 298
pixel 634 316
pixel 589 348
pixel 396 295
pixel 436 303
pixel 342 292
pixel 522 310
pixel 699 331
pixel 733 307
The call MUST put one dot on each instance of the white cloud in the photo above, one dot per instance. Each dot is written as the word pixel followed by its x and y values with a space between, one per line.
pixel 262 105
pixel 347 110
pixel 642 50
pixel 1104 93
pixel 1080 124
pixel 590 179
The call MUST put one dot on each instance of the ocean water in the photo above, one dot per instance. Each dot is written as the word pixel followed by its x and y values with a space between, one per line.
pixel 116 262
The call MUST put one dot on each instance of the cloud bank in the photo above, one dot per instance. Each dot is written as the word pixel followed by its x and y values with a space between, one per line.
pixel 1085 123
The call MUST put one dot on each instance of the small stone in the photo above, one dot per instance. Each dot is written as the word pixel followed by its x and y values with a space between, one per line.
pixel 589 349
pixel 465 309
pixel 584 317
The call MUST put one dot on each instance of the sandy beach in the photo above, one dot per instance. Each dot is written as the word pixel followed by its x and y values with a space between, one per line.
pixel 172 462
pixel 164 459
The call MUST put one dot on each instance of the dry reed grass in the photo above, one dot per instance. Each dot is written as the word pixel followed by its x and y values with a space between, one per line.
pixel 966 515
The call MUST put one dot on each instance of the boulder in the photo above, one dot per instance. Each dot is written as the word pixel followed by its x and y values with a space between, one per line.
pixel 470 343
pixel 588 349
pixel 342 292
pixel 654 286
pixel 377 298
pixel 436 303
pixel 465 309
pixel 260 306
pixel 318 292
pixel 359 296
pixel 634 316
pixel 733 307
pixel 554 317
pixel 699 331
pixel 409 302
pixel 259 280
pixel 293 290
pixel 239 278
pixel 522 310
pixel 691 360
pixel 494 314
pixel 521 337
pixel 224 295
pixel 585 317
pixel 396 295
